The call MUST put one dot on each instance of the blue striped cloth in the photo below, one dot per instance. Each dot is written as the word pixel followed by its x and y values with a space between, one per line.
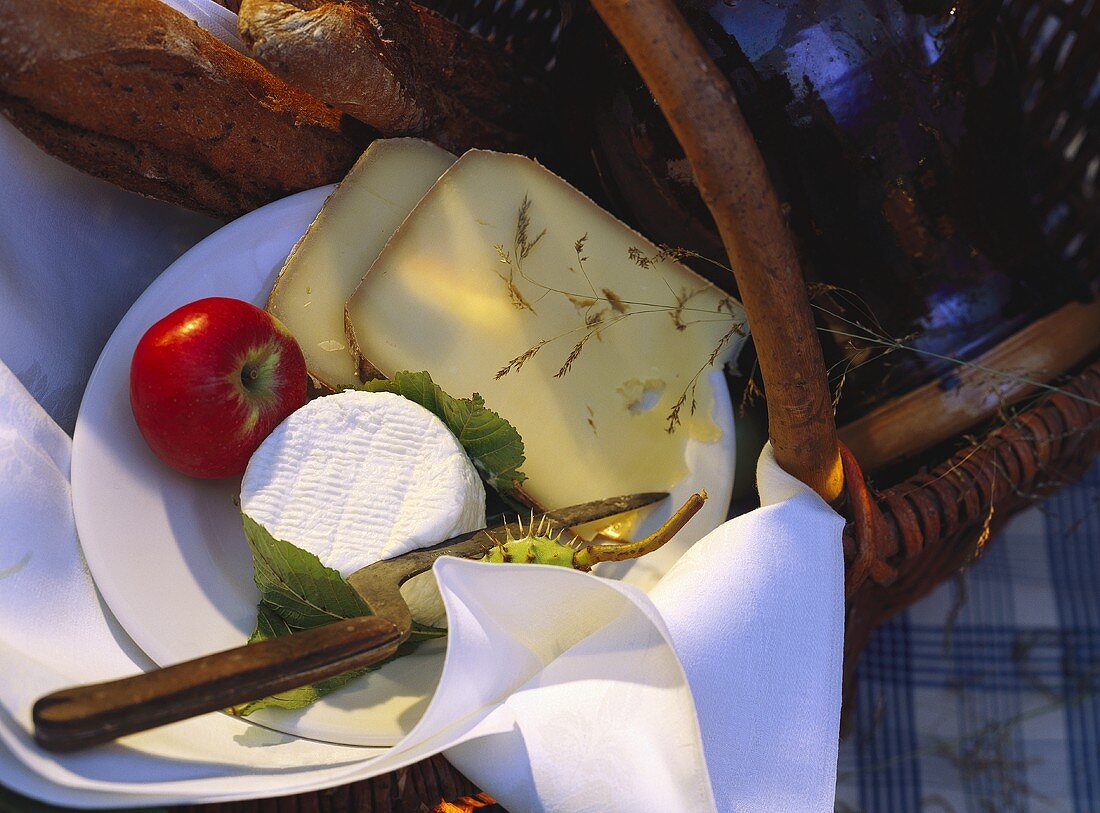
pixel 985 696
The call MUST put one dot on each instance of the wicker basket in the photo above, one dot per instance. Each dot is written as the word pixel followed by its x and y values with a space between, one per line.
pixel 901 542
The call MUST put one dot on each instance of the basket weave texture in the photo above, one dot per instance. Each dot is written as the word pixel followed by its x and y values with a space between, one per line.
pixel 903 542
pixel 1058 47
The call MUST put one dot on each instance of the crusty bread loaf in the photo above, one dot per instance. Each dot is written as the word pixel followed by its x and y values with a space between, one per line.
pixel 401 68
pixel 136 93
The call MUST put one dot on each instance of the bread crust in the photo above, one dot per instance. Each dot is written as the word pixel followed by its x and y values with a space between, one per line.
pixel 138 94
pixel 401 68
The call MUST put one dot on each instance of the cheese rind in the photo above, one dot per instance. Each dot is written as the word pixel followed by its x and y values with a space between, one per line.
pixel 501 259
pixel 357 477
pixel 326 265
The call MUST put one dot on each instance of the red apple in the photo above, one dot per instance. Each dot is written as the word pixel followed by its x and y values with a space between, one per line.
pixel 209 382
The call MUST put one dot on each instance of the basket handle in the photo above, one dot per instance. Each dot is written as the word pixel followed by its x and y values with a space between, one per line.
pixel 730 173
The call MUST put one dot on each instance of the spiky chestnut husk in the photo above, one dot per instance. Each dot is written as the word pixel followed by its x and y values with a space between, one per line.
pixel 543 545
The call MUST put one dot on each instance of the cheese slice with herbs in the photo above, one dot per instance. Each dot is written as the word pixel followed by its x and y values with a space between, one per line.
pixel 507 281
pixel 357 477
pixel 327 264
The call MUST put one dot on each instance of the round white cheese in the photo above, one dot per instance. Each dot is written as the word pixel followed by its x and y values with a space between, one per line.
pixel 357 477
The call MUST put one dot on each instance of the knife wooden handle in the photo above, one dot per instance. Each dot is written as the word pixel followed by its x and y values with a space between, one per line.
pixel 84 716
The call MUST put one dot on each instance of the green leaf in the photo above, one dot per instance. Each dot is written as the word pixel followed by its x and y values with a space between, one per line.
pixel 297 592
pixel 295 585
pixel 492 443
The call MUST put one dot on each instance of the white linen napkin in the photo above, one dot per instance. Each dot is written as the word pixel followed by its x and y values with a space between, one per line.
pixel 561 691
pixel 547 669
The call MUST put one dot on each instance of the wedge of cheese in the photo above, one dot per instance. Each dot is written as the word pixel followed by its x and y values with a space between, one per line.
pixel 506 281
pixel 327 264
pixel 357 477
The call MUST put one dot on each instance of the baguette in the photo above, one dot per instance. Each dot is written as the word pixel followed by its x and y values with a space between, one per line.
pixel 401 68
pixel 136 93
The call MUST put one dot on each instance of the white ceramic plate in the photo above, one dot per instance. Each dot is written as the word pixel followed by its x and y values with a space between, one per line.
pixel 167 551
